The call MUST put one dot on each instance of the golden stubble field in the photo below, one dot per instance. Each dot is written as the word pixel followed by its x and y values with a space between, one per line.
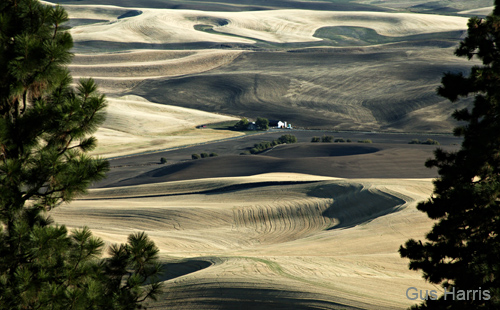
pixel 321 241
pixel 276 240
pixel 354 70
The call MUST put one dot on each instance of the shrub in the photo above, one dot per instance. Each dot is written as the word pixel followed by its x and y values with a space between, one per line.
pixel 326 138
pixel 287 139
pixel 339 140
pixel 265 145
pixel 195 156
pixel 262 146
pixel 213 154
pixel 204 155
pixel 241 124
pixel 315 139
pixel 262 123
pixel 430 142
pixel 365 141
pixel 163 160
pixel 348 140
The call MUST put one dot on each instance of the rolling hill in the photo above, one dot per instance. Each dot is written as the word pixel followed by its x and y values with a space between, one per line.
pixel 301 226
pixel 355 70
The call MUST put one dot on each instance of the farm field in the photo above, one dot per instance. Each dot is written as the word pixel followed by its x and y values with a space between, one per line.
pixel 300 226
pixel 283 240
pixel 368 68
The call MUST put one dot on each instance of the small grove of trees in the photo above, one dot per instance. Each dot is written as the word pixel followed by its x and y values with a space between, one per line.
pixel 329 139
pixel 242 124
pixel 428 141
pixel 261 124
pixel 265 145
pixel 46 129
pixel 287 139
pixel 262 146
pixel 203 155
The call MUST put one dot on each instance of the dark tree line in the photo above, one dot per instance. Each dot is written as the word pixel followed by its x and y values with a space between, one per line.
pixel 46 131
pixel 261 123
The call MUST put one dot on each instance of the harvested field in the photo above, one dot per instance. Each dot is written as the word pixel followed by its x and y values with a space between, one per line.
pixel 335 69
pixel 134 125
pixel 300 226
pixel 256 230
pixel 343 160
pixel 358 166
pixel 314 242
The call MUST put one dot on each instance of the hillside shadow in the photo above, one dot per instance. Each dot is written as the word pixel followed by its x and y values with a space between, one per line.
pixel 131 13
pixel 242 297
pixel 179 269
pixel 311 150
pixel 353 204
pixel 360 36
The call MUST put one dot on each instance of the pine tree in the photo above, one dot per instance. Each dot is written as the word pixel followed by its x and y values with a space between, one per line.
pixel 45 136
pixel 462 251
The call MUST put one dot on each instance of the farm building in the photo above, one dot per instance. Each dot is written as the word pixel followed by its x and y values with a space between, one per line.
pixel 279 124
pixel 252 126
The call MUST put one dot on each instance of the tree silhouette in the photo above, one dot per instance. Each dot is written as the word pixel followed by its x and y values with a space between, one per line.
pixel 46 131
pixel 462 251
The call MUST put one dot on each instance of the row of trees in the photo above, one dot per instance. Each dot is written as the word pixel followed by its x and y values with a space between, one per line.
pixel 243 124
pixel 265 145
pixel 428 141
pixel 46 129
pixel 329 139
pixel 203 155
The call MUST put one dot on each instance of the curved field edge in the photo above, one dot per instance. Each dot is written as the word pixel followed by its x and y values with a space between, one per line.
pixel 328 243
pixel 135 125
pixel 321 87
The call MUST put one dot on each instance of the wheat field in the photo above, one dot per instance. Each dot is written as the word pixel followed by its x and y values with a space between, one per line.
pixel 268 240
